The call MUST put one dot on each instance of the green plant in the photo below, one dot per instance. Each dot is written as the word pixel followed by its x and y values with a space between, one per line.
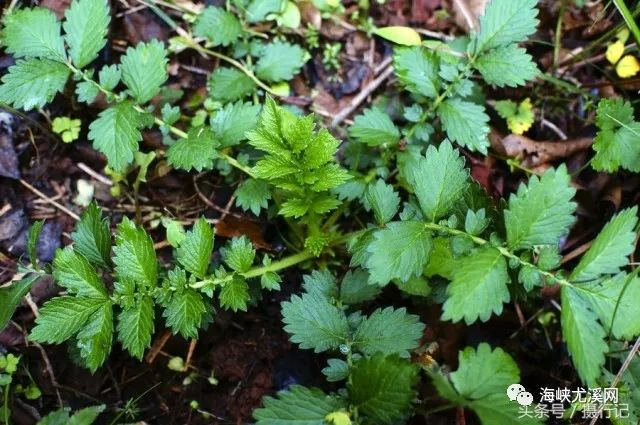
pixel 616 143
pixel 439 78
pixel 86 416
pixel 67 128
pixel 373 354
pixel 46 60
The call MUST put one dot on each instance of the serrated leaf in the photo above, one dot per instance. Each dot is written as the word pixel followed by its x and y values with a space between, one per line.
pixel 259 9
pixel 614 300
pixel 194 253
pixel 32 83
pixel 417 69
pixel 135 327
pixel 541 212
pixel 519 117
pixel 234 295
pixel 86 416
pixel 336 370
pixel 297 406
pixel 388 331
pixel 229 84
pixel 465 123
pixel 10 297
pixel 144 69
pixel 439 180
pixel 384 201
pixel 184 312
pixel 116 134
pixel 583 334
pixel 86 24
pixel 33 33
pixel 239 254
pixel 86 92
pixel 134 256
pixel 314 323
pixel 321 283
pixel 507 66
pixel 355 288
pixel 616 143
pixel 232 122
pixel 196 152
pixel 478 288
pixel 74 272
pixel 279 61
pixel 484 372
pixel 398 251
pixel 218 26
pixel 382 388
pixel 62 317
pixel 92 237
pixel 611 248
pixel 253 195
pixel 96 337
pixel 480 382
pixel 505 22
pixel 109 76
pixel 374 128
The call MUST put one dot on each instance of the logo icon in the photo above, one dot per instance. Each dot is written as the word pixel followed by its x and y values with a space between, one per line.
pixel 517 393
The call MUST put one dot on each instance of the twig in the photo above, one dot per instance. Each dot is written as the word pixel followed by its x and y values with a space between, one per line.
pixel 102 179
pixel 466 13
pixel 50 201
pixel 360 97
pixel 618 376
pixel 157 347
pixel 555 128
pixel 192 348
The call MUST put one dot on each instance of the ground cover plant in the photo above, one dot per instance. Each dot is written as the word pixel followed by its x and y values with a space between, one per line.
pixel 319 212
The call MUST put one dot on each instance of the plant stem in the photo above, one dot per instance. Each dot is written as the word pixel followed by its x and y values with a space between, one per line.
pixel 259 271
pixel 235 63
pixel 628 18
pixel 158 121
pixel 503 251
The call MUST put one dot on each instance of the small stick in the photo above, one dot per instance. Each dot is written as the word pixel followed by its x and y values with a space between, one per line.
pixel 102 179
pixel 360 97
pixel 157 347
pixel 50 201
pixel 192 348
pixel 616 380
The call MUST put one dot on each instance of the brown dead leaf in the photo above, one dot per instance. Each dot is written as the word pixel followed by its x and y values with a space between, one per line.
pixel 231 226
pixel 533 153
pixel 56 6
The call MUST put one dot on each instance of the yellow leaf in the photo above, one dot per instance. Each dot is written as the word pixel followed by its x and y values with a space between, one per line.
pixel 338 418
pixel 627 67
pixel 519 117
pixel 400 35
pixel 281 89
pixel 615 51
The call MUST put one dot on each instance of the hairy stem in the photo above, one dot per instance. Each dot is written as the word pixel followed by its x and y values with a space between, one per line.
pixel 158 121
pixel 235 63
pixel 503 251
